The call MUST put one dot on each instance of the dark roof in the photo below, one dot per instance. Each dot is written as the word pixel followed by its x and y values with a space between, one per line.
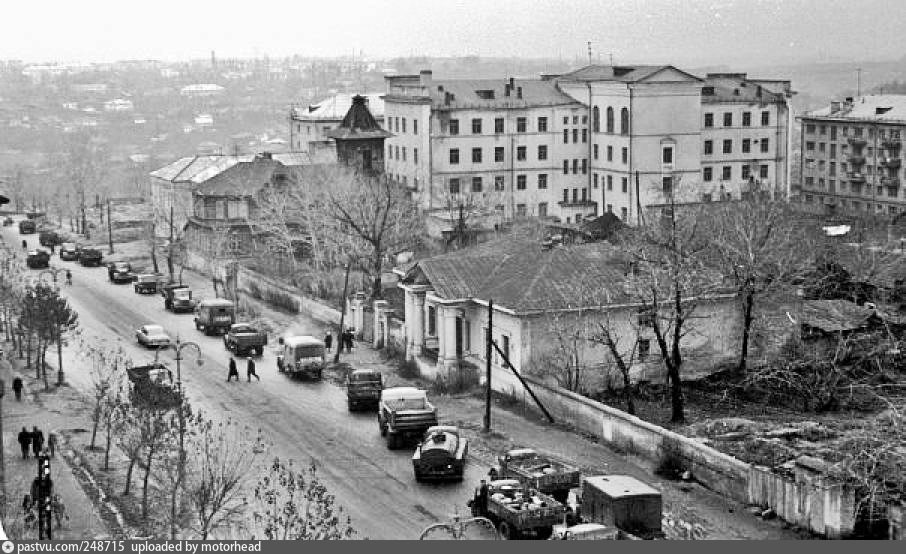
pixel 603 227
pixel 834 315
pixel 464 93
pixel 521 275
pixel 735 87
pixel 624 73
pixel 244 178
pixel 358 123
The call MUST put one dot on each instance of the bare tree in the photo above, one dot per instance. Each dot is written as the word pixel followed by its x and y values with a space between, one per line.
pixel 129 440
pixel 107 367
pixel 81 161
pixel 466 211
pixel 113 414
pixel 156 429
pixel 564 360
pixel 608 334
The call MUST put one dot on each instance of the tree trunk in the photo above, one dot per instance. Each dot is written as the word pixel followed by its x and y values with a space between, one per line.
pixel 60 376
pixel 107 446
pixel 96 419
pixel 44 365
pixel 129 476
pixel 747 318
pixel 677 414
pixel 377 291
pixel 624 370
pixel 149 460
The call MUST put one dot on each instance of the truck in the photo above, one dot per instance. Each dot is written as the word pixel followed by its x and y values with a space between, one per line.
pixel 623 502
pixel 441 454
pixel 214 316
pixel 69 251
pixel 147 283
pixel 404 413
pixel 537 471
pixel 178 298
pixel 152 385
pixel 242 338
pixel 120 272
pixel 38 259
pixel 48 238
pixel 90 256
pixel 363 389
pixel 27 227
pixel 302 356
pixel 519 511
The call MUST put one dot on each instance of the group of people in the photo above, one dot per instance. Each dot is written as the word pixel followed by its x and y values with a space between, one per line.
pixel 34 441
pixel 249 370
pixel 345 340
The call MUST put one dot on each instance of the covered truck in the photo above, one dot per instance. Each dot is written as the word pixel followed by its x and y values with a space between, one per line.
pixel 302 355
pixel 537 471
pixel 624 502
pixel 363 389
pixel 152 385
pixel 214 316
pixel 178 298
pixel 242 338
pixel 519 511
pixel 441 454
pixel 38 259
pixel 147 283
pixel 405 413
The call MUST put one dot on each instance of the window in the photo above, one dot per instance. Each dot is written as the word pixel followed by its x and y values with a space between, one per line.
pixel 575 166
pixel 667 185
pixel 476 126
pixel 595 149
pixel 765 118
pixel 520 182
pixel 595 179
pixel 764 144
pixel 726 173
pixel 609 119
pixel 584 196
pixel 728 146
pixel 584 166
pixel 542 209
pixel 565 136
pixel 809 129
pixel 542 180
pixel 834 132
pixel 822 130
pixel 542 124
pixel 822 146
pixel 476 184
pixel 596 119
pixel 709 120
pixel 396 150
pixel 404 124
pixel 520 153
pixel 832 170
pixel 476 155
pixel 746 171
pixel 565 167
pixel 415 155
pixel 667 155
pixel 624 214
pixel 707 173
pixel 498 125
pixel 625 183
pixel 610 208
pixel 610 182
pixel 414 126
pixel 644 349
pixel 746 146
pixel 498 153
pixel 584 135
pixel 404 153
pixel 833 148
pixel 520 124
pixel 575 120
pixel 763 172
pixel 575 135
pixel 565 196
pixel 709 147
pixel 625 155
pixel 575 196
pixel 746 119
pixel 454 155
pixel 810 146
pixel 454 186
pixel 542 152
pixel 454 126
pixel 624 121
pixel 610 153
pixel 728 119
pixel 432 321
pixel 565 120
pixel 499 183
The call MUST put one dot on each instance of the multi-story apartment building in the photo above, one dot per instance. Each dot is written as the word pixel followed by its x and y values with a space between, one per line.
pixel 312 123
pixel 602 138
pixel 852 155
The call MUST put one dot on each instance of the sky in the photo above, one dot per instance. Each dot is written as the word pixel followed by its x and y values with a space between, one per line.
pixel 681 32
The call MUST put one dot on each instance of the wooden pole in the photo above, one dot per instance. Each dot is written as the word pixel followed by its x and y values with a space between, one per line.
pixel 488 352
pixel 109 227
pixel 336 356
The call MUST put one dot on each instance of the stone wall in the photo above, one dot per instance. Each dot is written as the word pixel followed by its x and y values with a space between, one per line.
pixel 281 295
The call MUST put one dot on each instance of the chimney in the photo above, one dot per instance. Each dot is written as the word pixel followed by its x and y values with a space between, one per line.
pixel 519 93
pixel 849 99
pixel 512 83
pixel 425 77
pixel 506 89
pixel 447 98
pixel 758 91
pixel 835 107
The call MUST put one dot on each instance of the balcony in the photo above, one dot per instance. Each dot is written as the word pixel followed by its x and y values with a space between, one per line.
pixel 857 142
pixel 891 143
pixel 856 177
pixel 892 163
pixel 892 182
pixel 577 203
pixel 856 159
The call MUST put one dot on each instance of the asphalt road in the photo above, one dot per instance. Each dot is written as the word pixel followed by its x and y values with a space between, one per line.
pixel 303 420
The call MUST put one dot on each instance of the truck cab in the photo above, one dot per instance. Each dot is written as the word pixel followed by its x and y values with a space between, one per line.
pixel 215 316
pixel 363 388
pixel 302 355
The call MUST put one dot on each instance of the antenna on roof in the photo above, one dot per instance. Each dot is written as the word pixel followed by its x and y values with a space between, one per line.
pixel 589 53
pixel 858 82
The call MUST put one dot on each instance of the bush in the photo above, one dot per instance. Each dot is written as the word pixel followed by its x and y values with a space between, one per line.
pixel 462 378
pixel 671 463
pixel 408 369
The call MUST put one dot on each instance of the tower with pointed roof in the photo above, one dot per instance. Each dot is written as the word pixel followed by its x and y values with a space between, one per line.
pixel 359 138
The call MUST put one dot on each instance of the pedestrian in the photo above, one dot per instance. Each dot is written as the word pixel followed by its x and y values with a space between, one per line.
pixel 328 341
pixel 52 248
pixel 52 443
pixel 233 371
pixel 24 442
pixel 17 388
pixel 37 441
pixel 483 498
pixel 250 370
pixel 24 244
pixel 347 336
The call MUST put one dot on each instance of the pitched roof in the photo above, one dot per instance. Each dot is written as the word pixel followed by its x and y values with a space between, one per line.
pixel 622 73
pixel 242 178
pixel 875 107
pixel 336 107
pixel 491 93
pixel 200 169
pixel 834 315
pixel 358 123
pixel 520 275
pixel 735 87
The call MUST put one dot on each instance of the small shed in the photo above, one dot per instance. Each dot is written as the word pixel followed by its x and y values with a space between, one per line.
pixel 622 501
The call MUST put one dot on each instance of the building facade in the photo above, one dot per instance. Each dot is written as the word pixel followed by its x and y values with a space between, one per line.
pixel 312 123
pixel 852 156
pixel 573 146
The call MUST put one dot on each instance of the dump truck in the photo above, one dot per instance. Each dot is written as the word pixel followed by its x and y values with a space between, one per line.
pixel 405 413
pixel 624 502
pixel 38 259
pixel 519 511
pixel 302 355
pixel 214 316
pixel 363 389
pixel 178 298
pixel 243 338
pixel 537 471
pixel 147 283
pixel 152 385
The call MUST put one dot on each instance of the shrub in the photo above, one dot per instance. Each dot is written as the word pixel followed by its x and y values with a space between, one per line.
pixel 408 369
pixel 462 378
pixel 671 463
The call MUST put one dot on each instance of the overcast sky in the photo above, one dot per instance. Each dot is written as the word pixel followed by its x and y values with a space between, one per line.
pixel 696 32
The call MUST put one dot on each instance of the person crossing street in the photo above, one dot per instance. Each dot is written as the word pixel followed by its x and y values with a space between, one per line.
pixel 250 370
pixel 233 371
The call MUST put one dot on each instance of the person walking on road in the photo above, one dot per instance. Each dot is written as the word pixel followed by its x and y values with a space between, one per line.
pixel 24 442
pixel 233 371
pixel 17 388
pixel 52 443
pixel 250 370
pixel 328 341
pixel 37 441
pixel 68 277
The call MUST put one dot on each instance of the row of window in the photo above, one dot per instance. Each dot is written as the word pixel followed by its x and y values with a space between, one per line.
pixel 499 154
pixel 746 119
pixel 870 151
pixel 892 191
pixel 856 204
pixel 575 135
pixel 499 125
pixel 726 172
pixel 764 145
pixel 454 185
pixel 393 153
pixel 810 129
pixel 596 120
pixel 393 124
pixel 831 167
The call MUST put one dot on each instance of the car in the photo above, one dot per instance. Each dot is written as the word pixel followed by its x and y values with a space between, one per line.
pixel 69 251
pixel 120 272
pixel 38 259
pixel 27 227
pixel 152 336
pixel 90 256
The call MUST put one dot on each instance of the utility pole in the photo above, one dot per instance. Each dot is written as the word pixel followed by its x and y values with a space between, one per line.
pixel 170 244
pixel 2 449
pixel 336 356
pixel 589 52
pixel 858 82
pixel 488 352
pixel 109 227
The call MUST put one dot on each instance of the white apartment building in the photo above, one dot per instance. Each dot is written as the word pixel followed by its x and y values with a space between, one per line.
pixel 312 123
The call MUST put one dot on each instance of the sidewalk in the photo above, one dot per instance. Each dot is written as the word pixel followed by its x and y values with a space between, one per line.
pixel 51 411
